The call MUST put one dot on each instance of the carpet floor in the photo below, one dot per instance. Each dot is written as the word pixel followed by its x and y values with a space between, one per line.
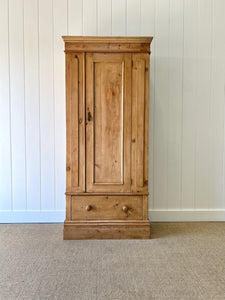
pixel 181 261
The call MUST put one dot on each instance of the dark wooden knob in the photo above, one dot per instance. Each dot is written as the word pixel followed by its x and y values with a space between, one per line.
pixel 125 208
pixel 88 207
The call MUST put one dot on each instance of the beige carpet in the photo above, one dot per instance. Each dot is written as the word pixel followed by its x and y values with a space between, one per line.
pixel 181 261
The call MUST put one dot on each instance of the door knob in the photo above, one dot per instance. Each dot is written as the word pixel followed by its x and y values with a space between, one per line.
pixel 88 207
pixel 125 208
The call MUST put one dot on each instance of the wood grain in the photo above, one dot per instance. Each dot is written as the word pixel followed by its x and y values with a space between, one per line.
pixel 107 193
pixel 106 207
pixel 145 207
pixel 101 230
pixel 140 106
pixel 112 89
pixel 68 208
pixel 107 44
pixel 148 28
pixel 108 122
pixel 75 119
pixel 107 47
pixel 108 131
pixel 106 39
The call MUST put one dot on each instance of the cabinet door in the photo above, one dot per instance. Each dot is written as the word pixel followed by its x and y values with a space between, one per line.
pixel 75 123
pixel 108 122
pixel 140 105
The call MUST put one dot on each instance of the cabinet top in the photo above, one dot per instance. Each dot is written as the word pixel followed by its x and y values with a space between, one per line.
pixel 108 39
pixel 107 44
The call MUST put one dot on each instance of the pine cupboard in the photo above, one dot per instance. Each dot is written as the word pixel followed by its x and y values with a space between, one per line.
pixel 107 101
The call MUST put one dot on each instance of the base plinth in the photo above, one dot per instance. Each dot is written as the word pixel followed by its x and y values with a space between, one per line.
pixel 78 230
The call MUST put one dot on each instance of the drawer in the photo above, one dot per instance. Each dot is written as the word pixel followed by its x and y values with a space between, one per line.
pixel 107 207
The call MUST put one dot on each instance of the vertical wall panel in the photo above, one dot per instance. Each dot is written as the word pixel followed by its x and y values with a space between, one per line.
pixel 119 17
pixel 204 31
pixel 75 19
pixel 161 104
pixel 175 82
pixel 104 17
pixel 186 136
pixel 216 157
pixel 60 28
pixel 189 104
pixel 220 28
pixel 89 17
pixel 5 109
pixel 147 17
pixel 32 103
pixel 148 29
pixel 17 104
pixel 46 104
pixel 133 17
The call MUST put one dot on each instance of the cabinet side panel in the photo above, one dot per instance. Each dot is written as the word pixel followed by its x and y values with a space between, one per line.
pixel 68 129
pixel 145 207
pixel 140 104
pixel 68 208
pixel 74 117
pixel 75 123
pixel 146 147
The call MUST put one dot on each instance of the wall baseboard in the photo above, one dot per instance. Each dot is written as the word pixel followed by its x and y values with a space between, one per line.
pixel 50 216
pixel 192 215
pixel 58 216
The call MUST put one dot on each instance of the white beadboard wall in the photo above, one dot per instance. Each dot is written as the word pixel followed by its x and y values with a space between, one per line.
pixel 187 96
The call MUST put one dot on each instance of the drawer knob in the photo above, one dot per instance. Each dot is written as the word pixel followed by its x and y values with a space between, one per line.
pixel 88 207
pixel 125 208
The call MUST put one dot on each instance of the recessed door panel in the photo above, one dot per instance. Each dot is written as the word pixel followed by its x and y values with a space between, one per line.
pixel 108 122
pixel 108 126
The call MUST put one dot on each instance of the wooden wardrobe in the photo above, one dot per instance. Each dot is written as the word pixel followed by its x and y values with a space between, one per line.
pixel 107 107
